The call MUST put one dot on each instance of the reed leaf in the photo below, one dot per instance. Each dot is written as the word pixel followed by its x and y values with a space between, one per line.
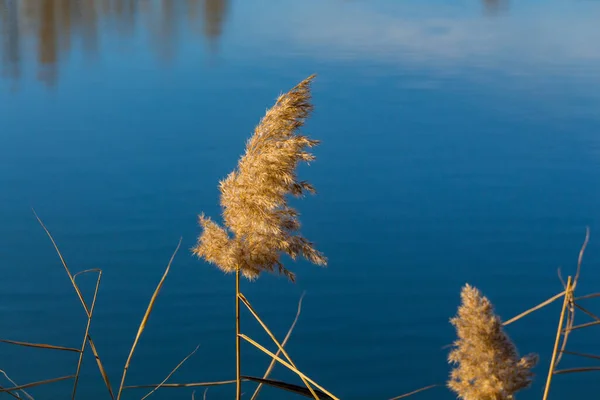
pixel 38 383
pixel 286 364
pixel 285 340
pixel 101 367
pixel 301 390
pixel 142 326
pixel 40 345
pixel 403 396
pixel 171 373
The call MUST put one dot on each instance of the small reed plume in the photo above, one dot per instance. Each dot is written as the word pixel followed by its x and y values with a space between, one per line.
pixel 259 223
pixel 487 364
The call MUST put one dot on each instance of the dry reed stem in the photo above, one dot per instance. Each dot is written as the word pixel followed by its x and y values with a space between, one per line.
pixel 10 393
pixel 533 309
pixel 39 345
pixel 587 296
pixel 557 340
pixel 582 326
pixel 87 329
pixel 285 340
pixel 205 393
pixel 586 311
pixel 38 383
pixel 580 258
pixel 585 355
pixel 268 331
pixel 575 370
pixel 568 329
pixel 64 263
pixel 145 320
pixel 403 396
pixel 171 373
pixel 290 387
pixel 287 365
pixel 238 345
pixel 83 303
pixel 101 367
pixel 181 385
pixel 14 383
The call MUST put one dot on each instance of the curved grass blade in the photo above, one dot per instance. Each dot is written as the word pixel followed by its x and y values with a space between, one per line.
pixel 39 345
pixel 403 396
pixel 38 383
pixel 285 340
pixel 171 373
pixel 181 385
pixel 142 326
pixel 100 367
pixel 301 390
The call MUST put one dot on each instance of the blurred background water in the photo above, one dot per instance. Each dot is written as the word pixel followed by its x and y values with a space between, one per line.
pixel 460 143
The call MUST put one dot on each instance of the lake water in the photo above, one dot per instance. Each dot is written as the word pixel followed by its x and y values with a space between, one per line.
pixel 460 143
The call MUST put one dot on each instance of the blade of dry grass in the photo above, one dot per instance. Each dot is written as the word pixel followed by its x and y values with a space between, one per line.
pixel 83 304
pixel 87 330
pixel 539 306
pixel 287 365
pixel 585 355
pixel 285 340
pixel 64 263
pixel 588 296
pixel 39 345
pixel 575 370
pixel 582 326
pixel 557 340
pixel 403 396
pixel 171 373
pixel 268 331
pixel 101 367
pixel 8 378
pixel 10 393
pixel 588 312
pixel 182 385
pixel 300 390
pixel 580 258
pixel 145 320
pixel 38 383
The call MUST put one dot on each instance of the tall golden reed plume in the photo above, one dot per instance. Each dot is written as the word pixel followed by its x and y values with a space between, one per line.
pixel 259 223
pixel 487 364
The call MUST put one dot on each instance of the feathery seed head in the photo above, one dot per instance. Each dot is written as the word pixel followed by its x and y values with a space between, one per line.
pixel 259 223
pixel 487 364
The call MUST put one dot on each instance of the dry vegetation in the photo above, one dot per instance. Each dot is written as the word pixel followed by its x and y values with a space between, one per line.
pixel 259 227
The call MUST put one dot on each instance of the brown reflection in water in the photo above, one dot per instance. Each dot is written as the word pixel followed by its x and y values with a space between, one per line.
pixel 495 7
pixel 54 27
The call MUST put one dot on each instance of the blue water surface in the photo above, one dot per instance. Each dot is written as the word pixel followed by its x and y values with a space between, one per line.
pixel 460 143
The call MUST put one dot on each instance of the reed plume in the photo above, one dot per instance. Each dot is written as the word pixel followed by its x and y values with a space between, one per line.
pixel 487 364
pixel 260 226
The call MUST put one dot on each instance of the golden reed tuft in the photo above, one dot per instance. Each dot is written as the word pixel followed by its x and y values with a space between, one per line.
pixel 259 224
pixel 487 364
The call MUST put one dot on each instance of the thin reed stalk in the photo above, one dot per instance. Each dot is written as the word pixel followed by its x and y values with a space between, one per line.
pixel 171 373
pixel 557 340
pixel 285 340
pixel 83 303
pixel 142 326
pixel 287 365
pixel 8 378
pixel 38 383
pixel 533 309
pixel 403 396
pixel 87 331
pixel 182 385
pixel 238 353
pixel 268 331
pixel 39 345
